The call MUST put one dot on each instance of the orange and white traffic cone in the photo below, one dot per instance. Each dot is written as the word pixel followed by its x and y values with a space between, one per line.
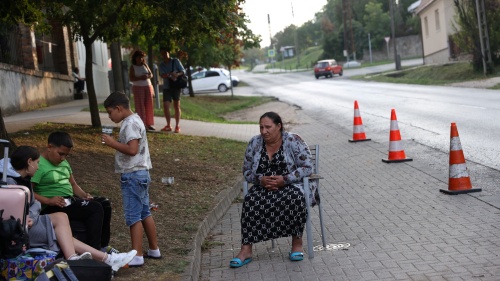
pixel 396 151
pixel 358 132
pixel 459 180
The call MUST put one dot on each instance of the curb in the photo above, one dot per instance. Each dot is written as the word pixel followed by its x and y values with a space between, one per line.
pixel 226 198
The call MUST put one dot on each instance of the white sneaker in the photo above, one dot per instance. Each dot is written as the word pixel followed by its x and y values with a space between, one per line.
pixel 84 256
pixel 116 261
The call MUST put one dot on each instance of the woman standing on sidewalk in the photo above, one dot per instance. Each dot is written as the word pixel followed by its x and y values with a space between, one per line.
pixel 139 75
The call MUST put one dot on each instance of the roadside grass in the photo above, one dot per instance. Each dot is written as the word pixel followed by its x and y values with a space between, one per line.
pixel 307 58
pixel 209 108
pixel 202 168
pixel 427 75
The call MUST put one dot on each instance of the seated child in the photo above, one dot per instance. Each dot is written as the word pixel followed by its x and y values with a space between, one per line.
pixel 57 190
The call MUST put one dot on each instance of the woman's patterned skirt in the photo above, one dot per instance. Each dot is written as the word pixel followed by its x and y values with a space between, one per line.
pixel 272 214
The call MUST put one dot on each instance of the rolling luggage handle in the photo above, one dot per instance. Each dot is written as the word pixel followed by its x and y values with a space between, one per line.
pixel 3 183
pixel 6 160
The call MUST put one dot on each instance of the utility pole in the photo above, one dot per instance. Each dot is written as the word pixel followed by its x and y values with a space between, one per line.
pixel 297 53
pixel 483 36
pixel 270 38
pixel 393 30
pixel 349 45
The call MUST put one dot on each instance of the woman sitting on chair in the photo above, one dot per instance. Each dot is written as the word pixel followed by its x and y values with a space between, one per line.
pixel 275 163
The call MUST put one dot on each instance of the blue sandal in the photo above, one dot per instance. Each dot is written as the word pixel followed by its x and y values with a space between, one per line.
pixel 236 262
pixel 296 256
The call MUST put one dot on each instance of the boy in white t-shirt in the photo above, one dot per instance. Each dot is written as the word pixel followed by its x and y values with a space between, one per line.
pixel 132 161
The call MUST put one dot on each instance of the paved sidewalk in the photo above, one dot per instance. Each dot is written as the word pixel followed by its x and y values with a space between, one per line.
pixel 391 219
pixel 71 112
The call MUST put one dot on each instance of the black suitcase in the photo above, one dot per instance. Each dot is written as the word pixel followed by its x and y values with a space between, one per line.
pixel 91 270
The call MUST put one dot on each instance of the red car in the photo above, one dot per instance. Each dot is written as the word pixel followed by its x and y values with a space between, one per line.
pixel 327 68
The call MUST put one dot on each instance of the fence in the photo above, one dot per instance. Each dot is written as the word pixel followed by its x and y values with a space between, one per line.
pixel 11 48
pixel 11 51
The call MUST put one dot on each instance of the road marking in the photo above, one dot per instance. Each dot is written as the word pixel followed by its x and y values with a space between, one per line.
pixel 471 106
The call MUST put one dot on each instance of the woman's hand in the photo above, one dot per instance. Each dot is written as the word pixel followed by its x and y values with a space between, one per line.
pixel 272 183
pixel 29 222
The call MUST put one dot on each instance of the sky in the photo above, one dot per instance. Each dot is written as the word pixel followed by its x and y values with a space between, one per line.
pixel 280 12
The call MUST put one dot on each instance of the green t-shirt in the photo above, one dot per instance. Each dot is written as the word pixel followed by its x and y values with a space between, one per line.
pixel 51 180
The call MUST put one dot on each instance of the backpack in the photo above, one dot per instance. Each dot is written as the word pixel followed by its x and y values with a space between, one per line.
pixel 14 239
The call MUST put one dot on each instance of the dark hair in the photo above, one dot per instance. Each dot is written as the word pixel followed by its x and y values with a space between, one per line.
pixel 274 117
pixel 60 139
pixel 76 70
pixel 117 99
pixel 19 157
pixel 137 54
pixel 164 49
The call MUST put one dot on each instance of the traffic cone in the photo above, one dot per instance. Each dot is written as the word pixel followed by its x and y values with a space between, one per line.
pixel 358 132
pixel 396 151
pixel 459 181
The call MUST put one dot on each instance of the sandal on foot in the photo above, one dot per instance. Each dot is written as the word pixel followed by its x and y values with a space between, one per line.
pixel 177 129
pixel 166 129
pixel 236 262
pixel 296 256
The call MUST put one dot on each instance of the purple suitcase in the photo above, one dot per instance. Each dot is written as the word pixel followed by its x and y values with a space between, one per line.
pixel 14 199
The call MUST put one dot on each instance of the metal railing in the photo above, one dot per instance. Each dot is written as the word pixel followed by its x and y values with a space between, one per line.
pixel 10 45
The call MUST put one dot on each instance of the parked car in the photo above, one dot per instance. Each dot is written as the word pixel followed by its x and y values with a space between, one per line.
pixel 351 64
pixel 235 81
pixel 207 80
pixel 327 68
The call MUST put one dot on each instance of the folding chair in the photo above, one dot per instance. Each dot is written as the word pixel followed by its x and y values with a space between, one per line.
pixel 314 177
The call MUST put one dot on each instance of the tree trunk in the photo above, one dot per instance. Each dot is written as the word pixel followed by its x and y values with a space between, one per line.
pixel 188 73
pixel 116 66
pixel 89 78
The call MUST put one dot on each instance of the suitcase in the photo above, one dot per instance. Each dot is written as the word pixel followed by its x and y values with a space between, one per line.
pixel 91 270
pixel 14 199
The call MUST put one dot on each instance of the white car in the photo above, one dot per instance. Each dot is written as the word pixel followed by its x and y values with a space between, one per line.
pixel 234 79
pixel 209 80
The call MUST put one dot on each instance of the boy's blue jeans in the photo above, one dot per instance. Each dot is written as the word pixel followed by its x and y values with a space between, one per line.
pixel 135 186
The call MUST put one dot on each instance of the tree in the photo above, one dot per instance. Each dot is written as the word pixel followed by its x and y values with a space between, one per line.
pixel 377 23
pixel 91 20
pixel 210 33
pixel 467 36
pixel 309 34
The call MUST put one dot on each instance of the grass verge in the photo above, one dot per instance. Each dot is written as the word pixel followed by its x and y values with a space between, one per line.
pixel 209 108
pixel 427 75
pixel 202 167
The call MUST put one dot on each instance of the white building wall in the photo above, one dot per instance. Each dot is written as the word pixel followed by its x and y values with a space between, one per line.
pixel 26 89
pixel 440 25
pixel 100 66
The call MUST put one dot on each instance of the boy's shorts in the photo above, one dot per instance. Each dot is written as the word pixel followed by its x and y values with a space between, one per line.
pixel 135 186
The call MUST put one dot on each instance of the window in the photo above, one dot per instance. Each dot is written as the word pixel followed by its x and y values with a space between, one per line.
pixel 436 14
pixel 212 74
pixel 426 27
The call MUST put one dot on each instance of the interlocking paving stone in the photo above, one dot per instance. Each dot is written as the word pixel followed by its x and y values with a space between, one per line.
pixel 399 225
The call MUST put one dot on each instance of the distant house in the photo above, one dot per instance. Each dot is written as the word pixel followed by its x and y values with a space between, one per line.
pixel 288 51
pixel 437 20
